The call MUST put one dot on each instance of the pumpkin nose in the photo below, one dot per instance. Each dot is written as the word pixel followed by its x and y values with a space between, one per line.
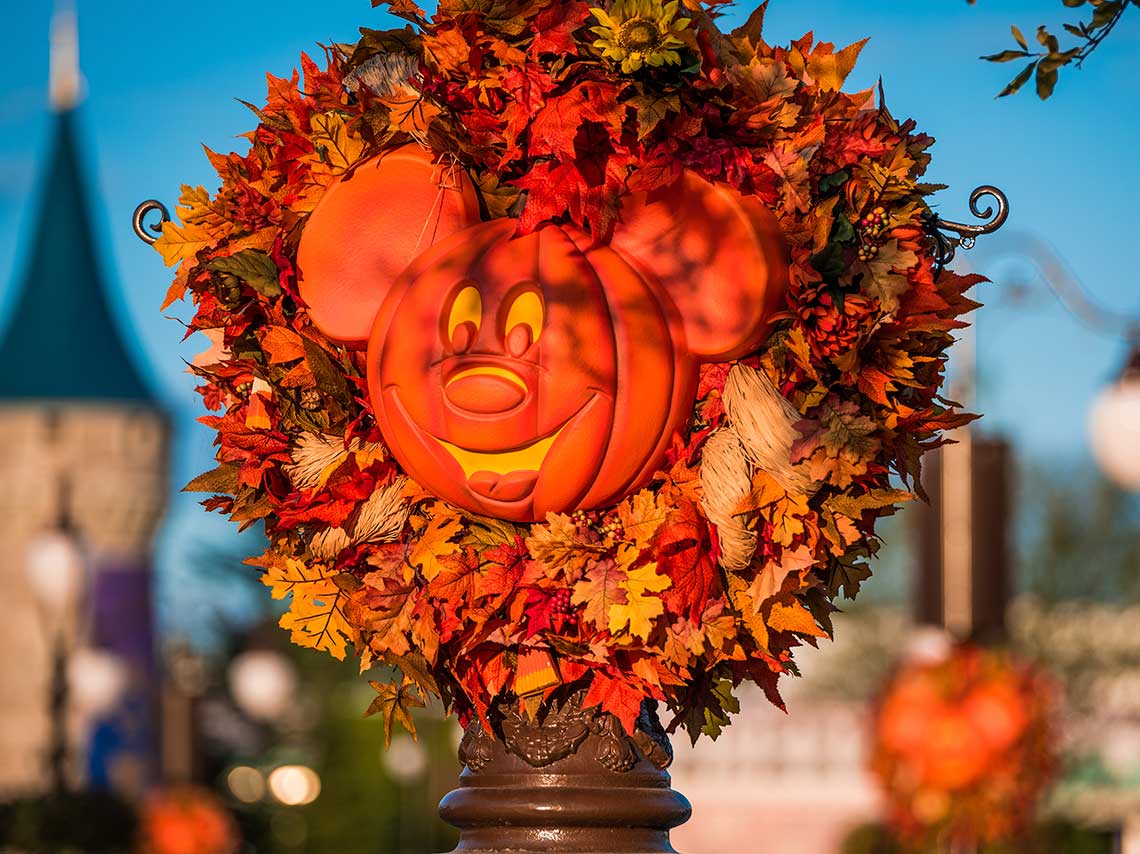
pixel 486 390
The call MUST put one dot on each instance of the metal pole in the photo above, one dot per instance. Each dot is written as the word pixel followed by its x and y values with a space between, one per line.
pixel 57 715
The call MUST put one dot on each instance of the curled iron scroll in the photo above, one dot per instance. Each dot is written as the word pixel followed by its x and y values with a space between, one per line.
pixel 945 246
pixel 149 234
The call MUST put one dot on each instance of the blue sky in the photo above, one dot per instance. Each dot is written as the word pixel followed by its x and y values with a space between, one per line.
pixel 163 79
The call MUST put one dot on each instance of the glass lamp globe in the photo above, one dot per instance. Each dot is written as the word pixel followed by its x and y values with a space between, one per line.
pixel 262 683
pixel 98 680
pixel 1114 427
pixel 55 570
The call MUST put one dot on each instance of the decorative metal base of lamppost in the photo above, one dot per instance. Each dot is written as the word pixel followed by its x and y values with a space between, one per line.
pixel 570 782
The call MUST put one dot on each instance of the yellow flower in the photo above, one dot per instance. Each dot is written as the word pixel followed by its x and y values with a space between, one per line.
pixel 640 32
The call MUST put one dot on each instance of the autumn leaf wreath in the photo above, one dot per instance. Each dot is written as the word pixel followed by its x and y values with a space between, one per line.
pixel 494 137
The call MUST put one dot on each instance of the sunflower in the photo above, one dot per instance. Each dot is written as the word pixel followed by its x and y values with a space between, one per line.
pixel 640 32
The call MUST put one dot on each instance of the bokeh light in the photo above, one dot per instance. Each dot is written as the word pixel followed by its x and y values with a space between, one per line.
pixel 294 785
pixel 246 784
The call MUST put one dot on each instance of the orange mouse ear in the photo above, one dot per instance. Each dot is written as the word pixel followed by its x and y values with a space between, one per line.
pixel 368 227
pixel 719 254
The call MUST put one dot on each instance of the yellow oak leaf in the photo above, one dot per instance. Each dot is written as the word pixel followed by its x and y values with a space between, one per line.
pixel 286 575
pixel 641 516
pixel 316 617
pixel 640 609
pixel 194 208
pixel 319 623
pixel 179 243
pixel 336 147
pixel 794 617
pixel 434 543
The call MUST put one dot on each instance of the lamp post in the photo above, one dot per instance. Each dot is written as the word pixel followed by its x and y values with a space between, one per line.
pixel 57 575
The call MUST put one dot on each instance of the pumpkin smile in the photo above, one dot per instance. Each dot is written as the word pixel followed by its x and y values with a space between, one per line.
pixel 526 459
pixel 508 475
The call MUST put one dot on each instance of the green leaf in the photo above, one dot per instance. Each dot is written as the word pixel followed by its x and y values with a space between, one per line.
pixel 720 706
pixel 843 231
pixel 831 263
pixel 830 183
pixel 253 267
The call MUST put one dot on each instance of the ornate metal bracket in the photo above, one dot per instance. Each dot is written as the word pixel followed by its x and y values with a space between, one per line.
pixel 946 247
pixel 149 234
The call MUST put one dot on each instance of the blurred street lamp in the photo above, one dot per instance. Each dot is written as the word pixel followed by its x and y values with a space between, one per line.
pixel 1114 426
pixel 56 573
pixel 263 684
pixel 97 680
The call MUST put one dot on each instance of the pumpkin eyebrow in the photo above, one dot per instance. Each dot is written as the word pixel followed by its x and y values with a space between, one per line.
pixel 526 309
pixel 466 307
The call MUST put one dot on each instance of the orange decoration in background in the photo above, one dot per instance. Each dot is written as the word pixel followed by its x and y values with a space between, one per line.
pixel 964 747
pixel 519 376
pixel 366 229
pixel 187 820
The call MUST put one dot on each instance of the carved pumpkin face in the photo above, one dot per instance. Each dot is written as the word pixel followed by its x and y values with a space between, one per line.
pixel 522 376
pixel 518 376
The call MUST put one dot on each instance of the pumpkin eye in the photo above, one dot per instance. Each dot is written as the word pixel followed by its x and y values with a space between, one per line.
pixel 467 307
pixel 526 310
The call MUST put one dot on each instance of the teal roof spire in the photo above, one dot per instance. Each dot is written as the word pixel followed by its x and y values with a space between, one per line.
pixel 61 341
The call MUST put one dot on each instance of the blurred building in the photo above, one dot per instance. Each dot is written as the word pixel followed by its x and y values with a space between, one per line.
pixel 794 783
pixel 83 451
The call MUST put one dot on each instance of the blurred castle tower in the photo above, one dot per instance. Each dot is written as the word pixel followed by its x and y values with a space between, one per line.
pixel 83 444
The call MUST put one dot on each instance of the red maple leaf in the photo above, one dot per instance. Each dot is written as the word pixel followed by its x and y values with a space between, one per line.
pixel 554 28
pixel 539 611
pixel 684 553
pixel 555 128
pixel 617 697
pixel 588 190
pixel 502 572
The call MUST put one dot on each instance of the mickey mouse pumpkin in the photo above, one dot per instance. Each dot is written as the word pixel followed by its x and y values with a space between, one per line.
pixel 515 376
